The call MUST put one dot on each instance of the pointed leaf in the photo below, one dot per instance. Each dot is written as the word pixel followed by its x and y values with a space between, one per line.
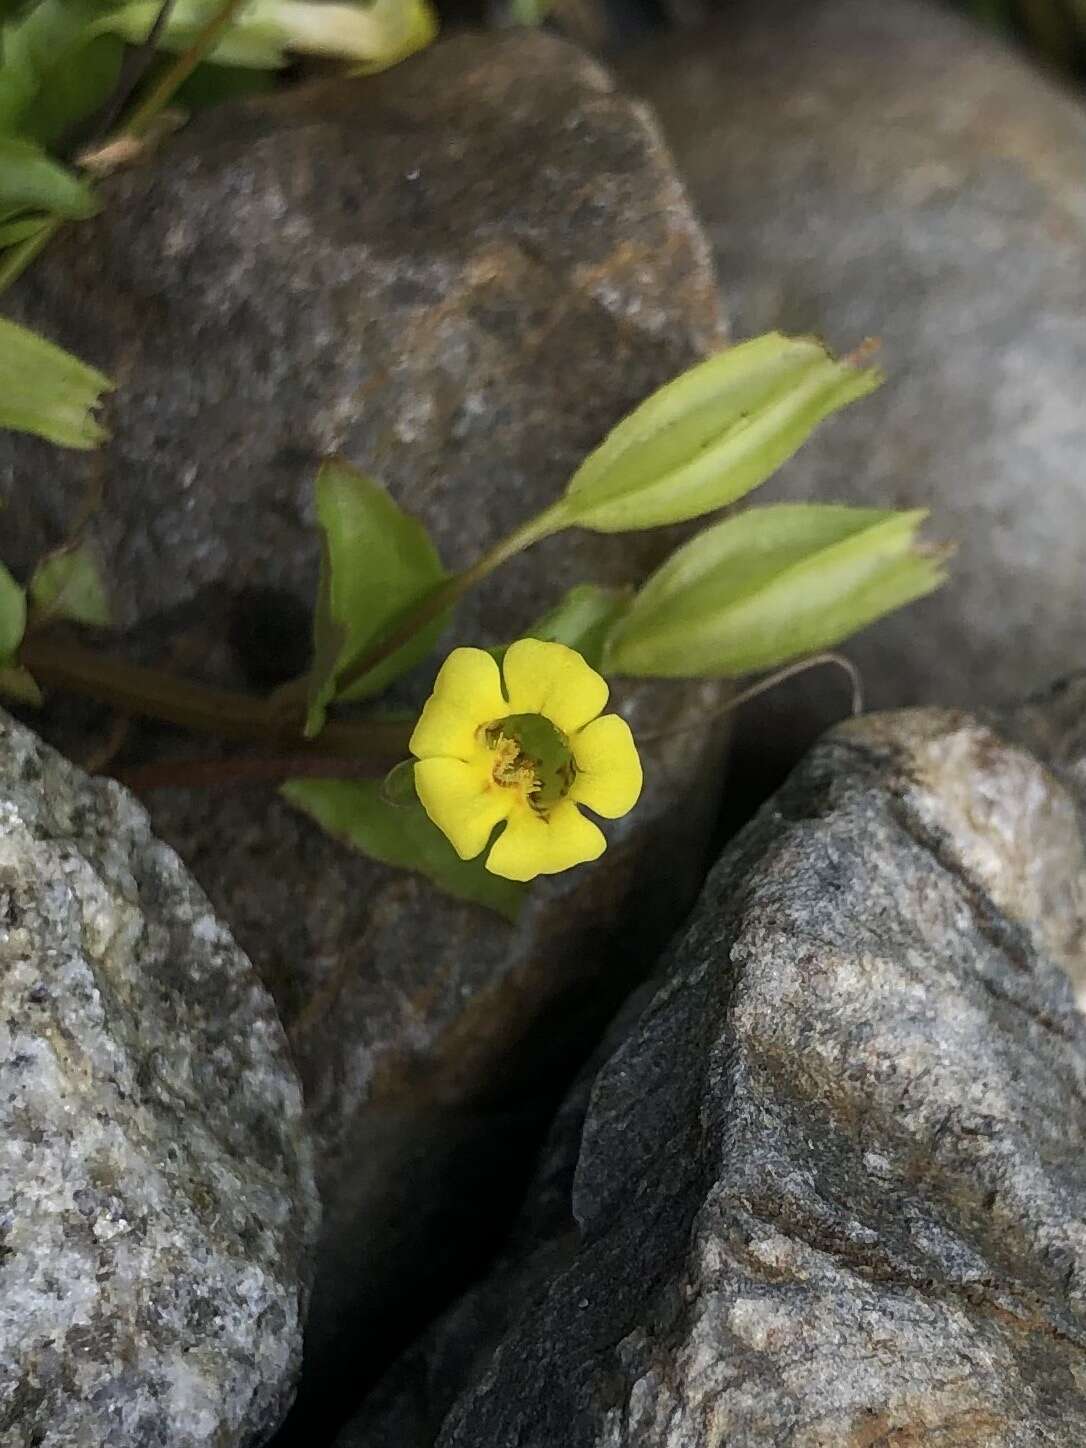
pixel 45 390
pixel 55 71
pixel 583 619
pixel 19 683
pixel 68 584
pixel 31 181
pixel 12 616
pixel 73 83
pixel 771 585
pixel 378 563
pixel 711 435
pixel 400 834
pixel 21 229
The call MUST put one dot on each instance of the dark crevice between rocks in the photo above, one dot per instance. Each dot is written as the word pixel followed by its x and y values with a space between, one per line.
pixel 504 1130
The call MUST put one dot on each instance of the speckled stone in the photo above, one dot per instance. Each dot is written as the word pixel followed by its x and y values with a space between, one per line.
pixel 459 275
pixel 892 170
pixel 828 1189
pixel 157 1208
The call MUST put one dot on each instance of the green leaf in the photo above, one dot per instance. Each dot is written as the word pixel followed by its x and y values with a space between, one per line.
pixel 52 75
pixel 12 616
pixel 770 585
pixel 252 40
pixel 68 584
pixel 19 683
pixel 356 812
pixel 378 563
pixel 12 232
pixel 372 36
pixel 73 85
pixel 211 85
pixel 45 390
pixel 583 619
pixel 31 181
pixel 711 435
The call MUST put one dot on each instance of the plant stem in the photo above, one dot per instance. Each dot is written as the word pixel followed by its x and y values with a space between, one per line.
pixel 446 594
pixel 137 62
pixel 175 75
pixel 152 693
pixel 135 689
pixel 242 769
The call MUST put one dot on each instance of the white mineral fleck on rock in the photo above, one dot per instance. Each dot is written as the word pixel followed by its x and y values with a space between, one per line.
pixel 156 1198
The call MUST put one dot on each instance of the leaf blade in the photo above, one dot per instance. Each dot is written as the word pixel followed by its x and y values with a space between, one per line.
pixel 712 435
pixel 30 180
pixel 378 562
pixel 12 616
pixel 822 574
pixel 582 619
pixel 19 683
pixel 356 812
pixel 47 391
pixel 68 584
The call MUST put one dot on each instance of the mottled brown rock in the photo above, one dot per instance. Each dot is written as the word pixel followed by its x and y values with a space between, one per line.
pixel 829 1188
pixel 893 171
pixel 459 275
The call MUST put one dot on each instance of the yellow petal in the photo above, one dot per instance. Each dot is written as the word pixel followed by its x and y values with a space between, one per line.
pixel 533 844
pixel 549 679
pixel 609 777
pixel 463 801
pixel 467 693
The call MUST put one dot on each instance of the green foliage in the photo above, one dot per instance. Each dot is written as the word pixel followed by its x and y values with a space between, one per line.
pixel 68 584
pixel 55 68
pixel 12 616
pixel 372 36
pixel 18 683
pixel 76 85
pixel 31 182
pixel 377 563
pixel 12 232
pixel 61 60
pixel 711 435
pixel 583 619
pixel 772 585
pixel 15 681
pixel 45 390
pixel 211 85
pixel 399 833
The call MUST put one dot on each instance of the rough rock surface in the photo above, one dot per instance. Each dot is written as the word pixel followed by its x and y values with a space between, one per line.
pixel 892 171
pixel 459 275
pixel 157 1209
pixel 830 1189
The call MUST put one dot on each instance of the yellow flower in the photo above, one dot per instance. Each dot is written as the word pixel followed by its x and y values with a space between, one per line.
pixel 528 756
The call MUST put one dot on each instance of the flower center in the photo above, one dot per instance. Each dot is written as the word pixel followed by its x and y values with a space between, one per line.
pixel 530 754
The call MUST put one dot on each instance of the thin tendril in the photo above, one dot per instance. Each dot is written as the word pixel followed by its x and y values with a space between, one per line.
pixel 763 686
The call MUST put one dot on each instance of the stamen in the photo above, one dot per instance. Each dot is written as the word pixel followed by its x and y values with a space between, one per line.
pixel 531 755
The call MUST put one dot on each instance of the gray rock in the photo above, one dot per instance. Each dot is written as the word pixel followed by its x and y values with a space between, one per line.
pixel 157 1208
pixel 891 170
pixel 830 1187
pixel 460 275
